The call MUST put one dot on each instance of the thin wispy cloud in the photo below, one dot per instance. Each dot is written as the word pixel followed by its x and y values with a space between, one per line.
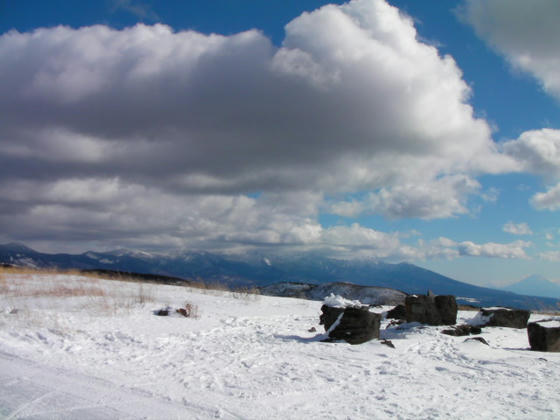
pixel 141 10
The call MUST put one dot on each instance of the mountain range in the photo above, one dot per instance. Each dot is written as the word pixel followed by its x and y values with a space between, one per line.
pixel 265 271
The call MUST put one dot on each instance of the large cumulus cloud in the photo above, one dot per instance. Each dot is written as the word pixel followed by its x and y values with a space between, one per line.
pixel 525 32
pixel 186 139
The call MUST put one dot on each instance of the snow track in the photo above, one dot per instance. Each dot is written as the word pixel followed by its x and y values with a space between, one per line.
pixel 31 390
pixel 250 357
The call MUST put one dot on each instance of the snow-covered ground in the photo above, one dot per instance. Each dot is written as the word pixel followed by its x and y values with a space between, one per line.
pixel 78 347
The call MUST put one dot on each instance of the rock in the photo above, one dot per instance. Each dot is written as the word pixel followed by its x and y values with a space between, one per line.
pixel 395 322
pixel 447 307
pixel 355 325
pixel 183 312
pixel 431 310
pixel 162 312
pixel 388 343
pixel 544 335
pixel 482 340
pixel 462 330
pixel 504 317
pixel 329 315
pixel 312 329
pixel 398 312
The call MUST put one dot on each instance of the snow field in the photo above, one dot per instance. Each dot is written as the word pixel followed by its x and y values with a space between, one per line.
pixel 245 356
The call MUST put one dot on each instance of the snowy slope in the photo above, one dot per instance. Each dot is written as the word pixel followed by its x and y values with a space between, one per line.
pixel 77 347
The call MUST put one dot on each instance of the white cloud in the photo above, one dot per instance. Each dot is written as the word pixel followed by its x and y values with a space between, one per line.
pixel 553 256
pixel 358 237
pixel 494 250
pixel 517 229
pixel 351 208
pixel 447 248
pixel 490 195
pixel 369 108
pixel 108 213
pixel 537 151
pixel 439 199
pixel 525 32
pixel 549 200
pixel 140 10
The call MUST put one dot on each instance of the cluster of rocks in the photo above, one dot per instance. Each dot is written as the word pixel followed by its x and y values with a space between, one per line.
pixel 357 324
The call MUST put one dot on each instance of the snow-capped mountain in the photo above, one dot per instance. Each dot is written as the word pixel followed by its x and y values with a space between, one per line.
pixel 264 271
pixel 535 286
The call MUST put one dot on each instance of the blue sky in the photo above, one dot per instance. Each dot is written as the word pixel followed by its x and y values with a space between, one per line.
pixel 345 132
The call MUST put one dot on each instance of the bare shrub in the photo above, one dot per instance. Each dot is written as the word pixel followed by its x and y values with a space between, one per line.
pixel 144 295
pixel 3 284
pixel 189 310
pixel 246 293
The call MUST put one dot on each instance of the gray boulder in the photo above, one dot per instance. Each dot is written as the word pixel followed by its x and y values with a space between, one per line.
pixel 431 310
pixel 544 335
pixel 355 325
pixel 398 312
pixel 504 317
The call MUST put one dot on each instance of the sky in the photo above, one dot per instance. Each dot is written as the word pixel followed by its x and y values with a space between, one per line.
pixel 399 130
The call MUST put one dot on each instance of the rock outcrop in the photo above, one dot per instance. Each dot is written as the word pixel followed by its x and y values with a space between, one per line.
pixel 462 330
pixel 503 317
pixel 355 325
pixel 398 312
pixel 431 310
pixel 544 335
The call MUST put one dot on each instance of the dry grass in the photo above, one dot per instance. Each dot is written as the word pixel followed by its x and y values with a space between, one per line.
pixel 3 284
pixel 549 313
pixel 207 287
pixel 19 287
pixel 19 283
pixel 246 293
pixel 463 307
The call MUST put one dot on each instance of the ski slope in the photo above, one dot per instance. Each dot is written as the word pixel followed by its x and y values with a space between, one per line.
pixel 82 347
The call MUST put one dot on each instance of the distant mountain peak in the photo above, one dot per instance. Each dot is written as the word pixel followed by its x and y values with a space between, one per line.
pixel 16 247
pixel 535 285
pixel 535 278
